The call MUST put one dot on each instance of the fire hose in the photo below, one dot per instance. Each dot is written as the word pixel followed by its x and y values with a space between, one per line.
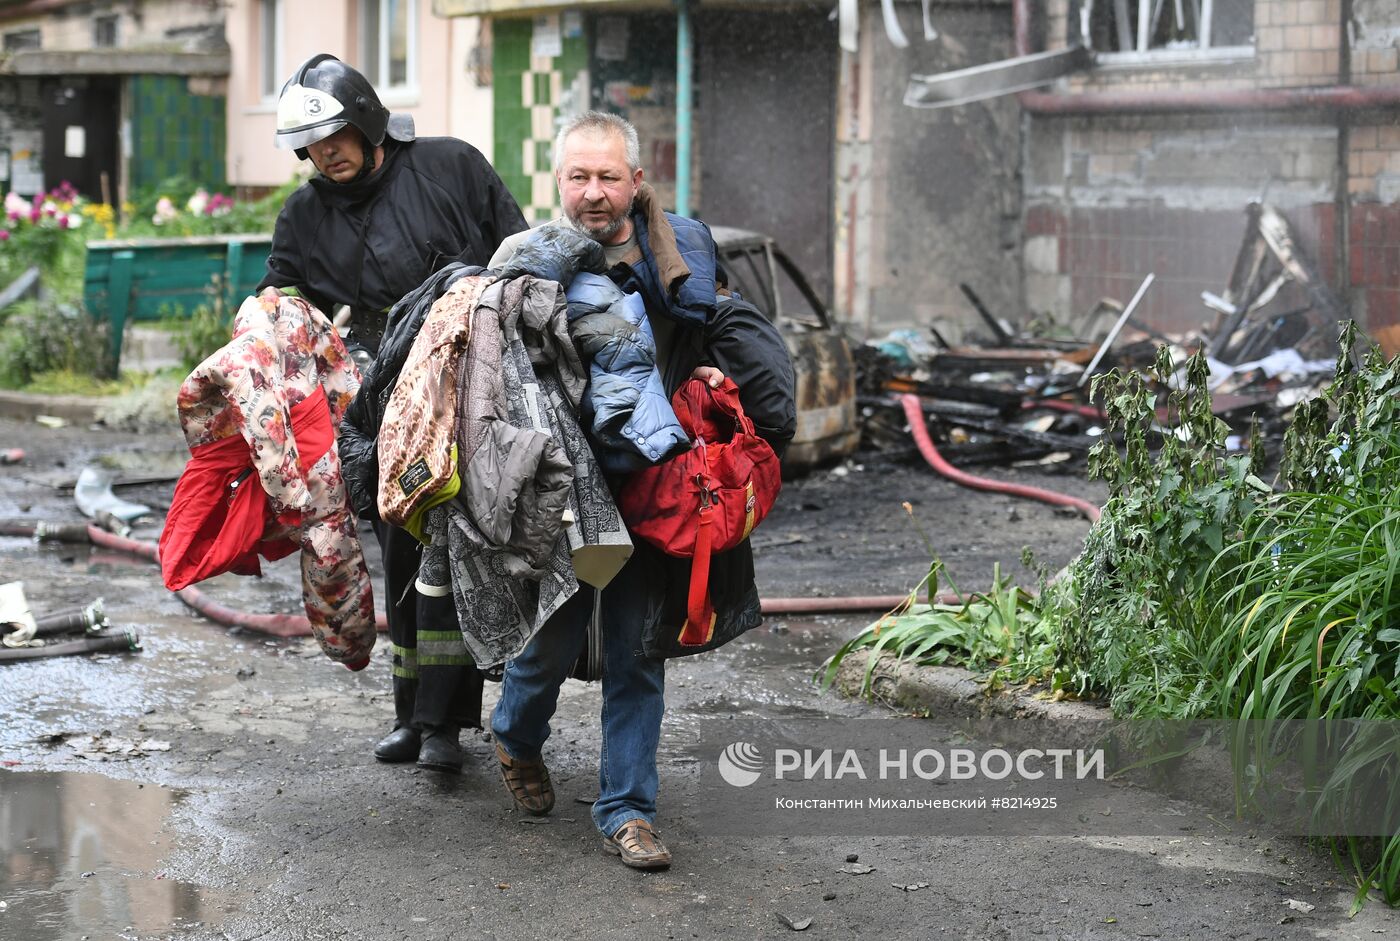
pixel 913 410
pixel 123 641
pixel 290 625
pixel 915 413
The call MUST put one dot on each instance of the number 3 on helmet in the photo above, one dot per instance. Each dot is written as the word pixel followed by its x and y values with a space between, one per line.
pixel 323 96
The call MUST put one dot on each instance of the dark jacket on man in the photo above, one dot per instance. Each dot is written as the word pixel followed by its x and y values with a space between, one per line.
pixel 368 243
pixel 676 277
pixel 444 689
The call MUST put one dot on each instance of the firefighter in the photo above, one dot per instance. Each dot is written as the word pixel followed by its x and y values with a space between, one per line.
pixel 384 210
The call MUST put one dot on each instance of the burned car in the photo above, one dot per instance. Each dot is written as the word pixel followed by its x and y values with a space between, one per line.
pixel 826 377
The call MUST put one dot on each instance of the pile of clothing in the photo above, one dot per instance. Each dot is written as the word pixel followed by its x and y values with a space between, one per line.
pixel 488 424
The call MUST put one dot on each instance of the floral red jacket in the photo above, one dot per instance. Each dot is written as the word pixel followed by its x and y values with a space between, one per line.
pixel 260 417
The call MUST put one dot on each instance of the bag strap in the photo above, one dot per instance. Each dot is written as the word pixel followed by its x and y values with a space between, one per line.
pixel 699 624
pixel 726 400
pixel 731 394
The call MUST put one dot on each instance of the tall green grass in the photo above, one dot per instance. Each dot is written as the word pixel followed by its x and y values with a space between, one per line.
pixel 1003 632
pixel 1204 592
pixel 1305 622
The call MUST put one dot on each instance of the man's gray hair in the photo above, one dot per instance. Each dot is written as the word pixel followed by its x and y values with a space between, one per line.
pixel 602 123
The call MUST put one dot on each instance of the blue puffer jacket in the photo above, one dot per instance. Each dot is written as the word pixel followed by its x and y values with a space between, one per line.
pixel 691 300
pixel 626 408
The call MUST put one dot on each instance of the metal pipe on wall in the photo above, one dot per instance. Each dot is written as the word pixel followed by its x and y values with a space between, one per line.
pixel 1345 97
pixel 1341 218
pixel 685 73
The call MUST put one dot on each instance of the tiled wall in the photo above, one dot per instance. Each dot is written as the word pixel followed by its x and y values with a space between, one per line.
pixel 1375 264
pixel 1086 254
pixel 529 91
pixel 1112 198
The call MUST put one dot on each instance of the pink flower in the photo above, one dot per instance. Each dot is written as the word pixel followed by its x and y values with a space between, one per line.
pixel 63 222
pixel 16 204
pixel 165 211
pixel 219 205
pixel 4 235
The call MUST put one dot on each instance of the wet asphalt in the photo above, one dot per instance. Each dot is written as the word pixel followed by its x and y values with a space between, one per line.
pixel 219 785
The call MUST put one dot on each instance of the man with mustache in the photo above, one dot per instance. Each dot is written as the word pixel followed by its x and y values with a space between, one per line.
pixel 671 262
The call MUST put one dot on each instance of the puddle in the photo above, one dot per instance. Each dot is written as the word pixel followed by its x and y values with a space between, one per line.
pixel 184 658
pixel 768 671
pixel 81 855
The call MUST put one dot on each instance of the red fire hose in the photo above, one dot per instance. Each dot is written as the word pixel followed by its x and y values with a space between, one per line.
pixel 277 625
pixel 915 413
pixel 841 605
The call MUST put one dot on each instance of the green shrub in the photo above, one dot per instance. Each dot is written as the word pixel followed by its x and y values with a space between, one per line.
pixel 203 332
pixel 51 232
pixel 1005 632
pixel 1135 594
pixel 39 338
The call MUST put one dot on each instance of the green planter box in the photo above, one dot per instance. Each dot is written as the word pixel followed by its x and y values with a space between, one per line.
pixel 148 279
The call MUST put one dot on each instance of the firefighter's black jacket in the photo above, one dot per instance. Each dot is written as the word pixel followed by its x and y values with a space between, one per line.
pixel 366 244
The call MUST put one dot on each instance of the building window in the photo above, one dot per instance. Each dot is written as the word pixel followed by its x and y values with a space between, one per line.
pixel 270 47
pixel 1157 27
pixel 22 39
pixel 104 32
pixel 389 50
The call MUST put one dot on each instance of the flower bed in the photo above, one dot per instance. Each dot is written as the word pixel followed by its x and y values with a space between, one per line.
pixel 51 232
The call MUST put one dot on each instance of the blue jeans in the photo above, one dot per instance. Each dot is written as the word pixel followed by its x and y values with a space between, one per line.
pixel 633 695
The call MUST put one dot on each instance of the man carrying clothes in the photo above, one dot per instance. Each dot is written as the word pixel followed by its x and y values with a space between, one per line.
pixel 384 211
pixel 671 262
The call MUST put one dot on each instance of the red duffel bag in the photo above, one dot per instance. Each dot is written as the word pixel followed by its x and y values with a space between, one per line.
pixel 708 499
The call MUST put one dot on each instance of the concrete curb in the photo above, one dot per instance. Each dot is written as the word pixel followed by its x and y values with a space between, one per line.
pixel 955 693
pixel 27 405
pixel 1018 718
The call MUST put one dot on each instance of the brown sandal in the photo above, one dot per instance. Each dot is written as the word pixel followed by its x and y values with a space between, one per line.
pixel 528 783
pixel 638 845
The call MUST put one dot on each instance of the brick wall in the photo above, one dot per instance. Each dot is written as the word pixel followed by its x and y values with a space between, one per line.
pixel 1375 31
pixel 1111 197
pixel 172 25
pixel 1295 43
